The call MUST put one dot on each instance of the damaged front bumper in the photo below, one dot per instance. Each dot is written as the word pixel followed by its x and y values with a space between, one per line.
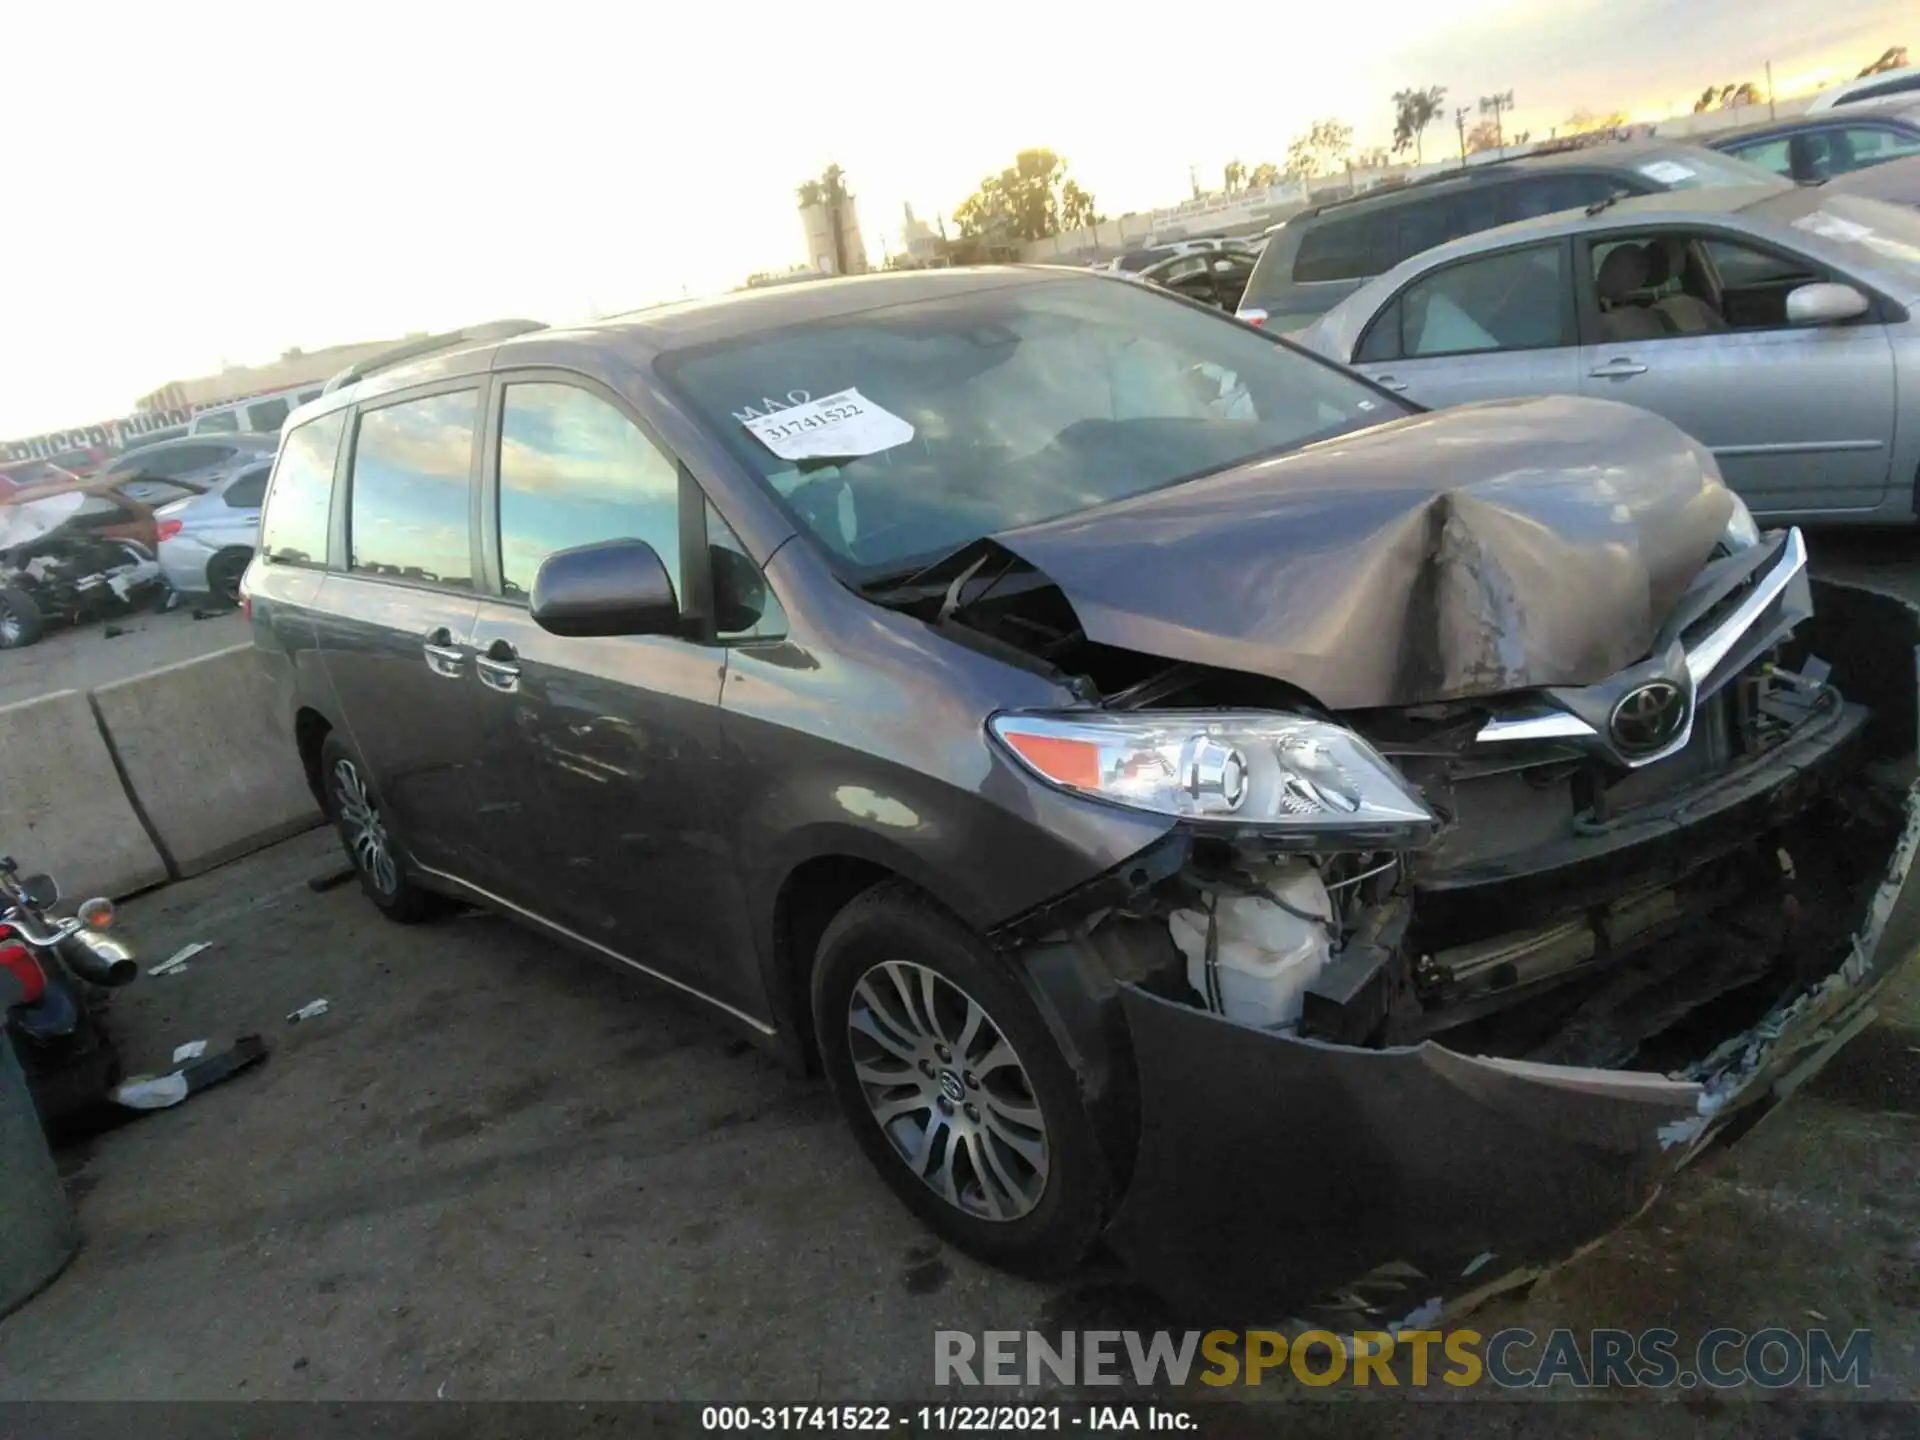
pixel 1292 1181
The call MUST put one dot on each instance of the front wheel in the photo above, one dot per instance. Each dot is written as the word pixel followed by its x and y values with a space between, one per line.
pixel 954 1086
pixel 21 622
pixel 353 805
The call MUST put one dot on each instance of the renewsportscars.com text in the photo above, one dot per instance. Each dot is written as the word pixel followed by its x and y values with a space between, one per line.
pixel 1774 1358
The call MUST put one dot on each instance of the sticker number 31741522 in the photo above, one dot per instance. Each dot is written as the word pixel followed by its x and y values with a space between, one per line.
pixel 846 424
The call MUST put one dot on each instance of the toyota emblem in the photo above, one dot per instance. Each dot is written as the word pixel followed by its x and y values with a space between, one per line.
pixel 1648 717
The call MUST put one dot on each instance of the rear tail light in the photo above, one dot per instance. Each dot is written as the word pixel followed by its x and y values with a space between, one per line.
pixel 26 971
pixel 1252 317
pixel 169 528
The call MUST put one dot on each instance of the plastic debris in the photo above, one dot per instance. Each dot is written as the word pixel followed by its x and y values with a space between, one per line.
pixel 159 1092
pixel 1817 1315
pixel 1482 1258
pixel 177 961
pixel 192 1050
pixel 150 1092
pixel 312 1010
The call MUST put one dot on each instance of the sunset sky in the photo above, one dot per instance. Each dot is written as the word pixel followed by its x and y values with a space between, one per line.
pixel 199 183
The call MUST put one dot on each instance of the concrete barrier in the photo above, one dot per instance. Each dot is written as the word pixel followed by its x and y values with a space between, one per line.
pixel 204 755
pixel 63 808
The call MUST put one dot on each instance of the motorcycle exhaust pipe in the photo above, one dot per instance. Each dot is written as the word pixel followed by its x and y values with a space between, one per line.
pixel 98 960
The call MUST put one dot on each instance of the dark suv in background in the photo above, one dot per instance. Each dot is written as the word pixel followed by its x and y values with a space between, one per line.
pixel 1322 255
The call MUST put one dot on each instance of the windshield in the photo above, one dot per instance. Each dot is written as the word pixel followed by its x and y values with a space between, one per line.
pixel 1693 169
pixel 900 433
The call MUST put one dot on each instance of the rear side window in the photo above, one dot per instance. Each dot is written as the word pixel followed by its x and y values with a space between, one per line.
pixel 1775 155
pixel 1343 249
pixel 407 511
pixel 223 423
pixel 246 492
pixel 1549 194
pixel 294 530
pixel 574 470
pixel 1515 300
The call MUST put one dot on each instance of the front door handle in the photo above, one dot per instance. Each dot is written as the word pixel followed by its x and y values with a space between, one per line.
pixel 497 669
pixel 1387 382
pixel 443 656
pixel 1617 370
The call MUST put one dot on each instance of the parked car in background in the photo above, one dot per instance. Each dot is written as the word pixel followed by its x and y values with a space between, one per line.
pixel 207 540
pixel 1897 182
pixel 1322 255
pixel 1822 145
pixel 166 470
pixel 1213 277
pixel 1865 88
pixel 1771 324
pixel 1174 792
pixel 257 415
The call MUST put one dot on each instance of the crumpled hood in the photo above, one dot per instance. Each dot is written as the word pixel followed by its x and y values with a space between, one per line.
pixel 1472 551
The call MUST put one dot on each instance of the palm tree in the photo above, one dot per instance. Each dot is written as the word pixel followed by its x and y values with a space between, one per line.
pixel 1413 111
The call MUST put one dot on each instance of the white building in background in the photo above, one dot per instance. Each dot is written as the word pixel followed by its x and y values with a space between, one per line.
pixel 817 222
pixel 921 240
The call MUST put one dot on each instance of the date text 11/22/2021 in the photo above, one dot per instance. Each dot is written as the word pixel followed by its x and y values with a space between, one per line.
pixel 954 1419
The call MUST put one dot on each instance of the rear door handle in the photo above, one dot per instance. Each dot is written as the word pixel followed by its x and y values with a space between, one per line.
pixel 1617 369
pixel 1387 382
pixel 497 669
pixel 443 656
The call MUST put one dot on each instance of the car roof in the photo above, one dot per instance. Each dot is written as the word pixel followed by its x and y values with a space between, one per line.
pixel 243 439
pixel 685 324
pixel 1898 108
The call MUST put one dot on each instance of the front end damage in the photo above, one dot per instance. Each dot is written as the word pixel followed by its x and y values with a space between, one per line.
pixel 1356 1087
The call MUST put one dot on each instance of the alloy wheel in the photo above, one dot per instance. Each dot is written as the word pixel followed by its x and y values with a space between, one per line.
pixel 12 628
pixel 946 1087
pixel 366 831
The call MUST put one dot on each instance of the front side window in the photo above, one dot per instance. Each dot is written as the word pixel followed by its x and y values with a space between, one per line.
pixel 905 431
pixel 574 470
pixel 407 499
pixel 294 528
pixel 1515 300
pixel 744 605
pixel 1775 155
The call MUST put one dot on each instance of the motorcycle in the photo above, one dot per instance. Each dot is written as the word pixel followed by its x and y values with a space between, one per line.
pixel 54 979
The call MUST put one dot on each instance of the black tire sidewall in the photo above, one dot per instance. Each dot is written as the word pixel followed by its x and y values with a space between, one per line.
pixel 408 902
pixel 235 561
pixel 895 922
pixel 33 624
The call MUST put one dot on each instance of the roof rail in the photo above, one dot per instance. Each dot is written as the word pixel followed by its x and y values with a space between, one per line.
pixel 426 345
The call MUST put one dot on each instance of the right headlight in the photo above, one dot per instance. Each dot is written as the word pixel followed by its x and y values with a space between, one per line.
pixel 1282 774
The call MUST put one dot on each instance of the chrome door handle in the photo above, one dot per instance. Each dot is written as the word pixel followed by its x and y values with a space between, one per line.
pixel 1616 369
pixel 1387 382
pixel 444 658
pixel 496 668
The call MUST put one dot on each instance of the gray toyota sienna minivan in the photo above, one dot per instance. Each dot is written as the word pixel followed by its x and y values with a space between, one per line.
pixel 1175 791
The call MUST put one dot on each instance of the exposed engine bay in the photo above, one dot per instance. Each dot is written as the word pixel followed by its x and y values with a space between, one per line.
pixel 1622 875
pixel 63 561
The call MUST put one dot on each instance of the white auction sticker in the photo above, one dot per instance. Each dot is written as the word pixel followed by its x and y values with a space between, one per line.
pixel 1667 172
pixel 845 424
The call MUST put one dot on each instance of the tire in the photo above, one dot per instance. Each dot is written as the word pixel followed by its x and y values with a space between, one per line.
pixel 224 572
pixel 999 1117
pixel 353 805
pixel 21 623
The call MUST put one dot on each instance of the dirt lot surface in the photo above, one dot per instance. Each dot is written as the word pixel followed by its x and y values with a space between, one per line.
pixel 496 1170
pixel 86 655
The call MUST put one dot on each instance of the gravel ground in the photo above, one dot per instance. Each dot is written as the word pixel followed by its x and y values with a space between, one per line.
pixel 496 1170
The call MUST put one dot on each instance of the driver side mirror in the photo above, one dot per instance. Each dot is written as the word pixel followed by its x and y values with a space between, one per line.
pixel 1824 304
pixel 613 587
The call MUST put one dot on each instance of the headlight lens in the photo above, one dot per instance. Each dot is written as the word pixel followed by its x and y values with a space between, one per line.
pixel 1274 771
pixel 1742 533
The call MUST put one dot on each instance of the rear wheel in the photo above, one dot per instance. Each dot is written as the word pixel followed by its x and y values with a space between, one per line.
pixel 954 1086
pixel 224 572
pixel 353 805
pixel 21 622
